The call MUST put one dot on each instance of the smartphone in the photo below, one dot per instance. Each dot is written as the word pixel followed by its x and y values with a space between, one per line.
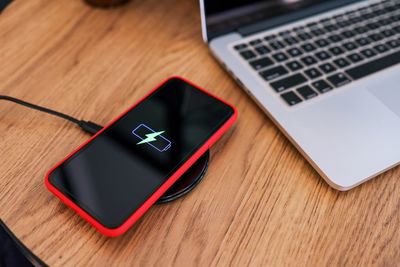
pixel 114 178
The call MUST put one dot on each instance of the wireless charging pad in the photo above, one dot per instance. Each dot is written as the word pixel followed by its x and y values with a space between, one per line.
pixel 188 181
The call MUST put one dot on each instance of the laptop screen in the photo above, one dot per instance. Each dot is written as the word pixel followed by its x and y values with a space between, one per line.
pixel 224 16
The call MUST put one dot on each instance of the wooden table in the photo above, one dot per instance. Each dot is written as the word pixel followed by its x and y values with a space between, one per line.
pixel 261 203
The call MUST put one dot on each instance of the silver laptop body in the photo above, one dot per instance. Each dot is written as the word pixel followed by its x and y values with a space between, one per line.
pixel 325 71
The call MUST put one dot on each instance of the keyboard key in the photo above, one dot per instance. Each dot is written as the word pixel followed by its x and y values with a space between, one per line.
pixel 288 82
pixel 363 10
pixel 381 48
pixel 393 43
pixel 322 55
pixel 294 65
pixel 317 32
pixel 270 37
pixel 322 86
pixel 325 21
pixel 336 50
pixel 376 37
pixel 327 68
pixel 308 60
pixel 308 47
pixel 313 73
pixel 322 42
pixel 350 46
pixel 374 66
pixel 368 16
pixel 276 45
pixel 290 40
pixel 390 8
pixel 373 25
pixel 284 33
pixel 291 98
pixel 361 29
pixel 248 54
pixel 339 79
pixel 304 36
pixel 339 17
pixel 384 22
pixel 262 50
pixel 306 92
pixel 280 57
pixel 331 28
pixel 380 12
pixel 335 38
pixel 261 63
pixel 344 23
pixel 299 29
pixel 388 33
pixel 355 57
pixel 368 53
pixel 348 34
pixel 356 19
pixel 255 42
pixel 273 73
pixel 396 18
pixel 240 46
pixel 294 52
pixel 341 62
pixel 363 41
pixel 312 25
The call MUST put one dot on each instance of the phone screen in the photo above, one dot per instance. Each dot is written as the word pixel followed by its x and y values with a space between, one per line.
pixel 115 173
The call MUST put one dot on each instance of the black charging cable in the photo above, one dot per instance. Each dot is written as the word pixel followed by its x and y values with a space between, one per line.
pixel 87 126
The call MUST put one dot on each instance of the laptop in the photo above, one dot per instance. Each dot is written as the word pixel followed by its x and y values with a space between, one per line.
pixel 325 71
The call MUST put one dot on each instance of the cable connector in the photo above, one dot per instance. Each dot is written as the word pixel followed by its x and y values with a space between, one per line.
pixel 89 127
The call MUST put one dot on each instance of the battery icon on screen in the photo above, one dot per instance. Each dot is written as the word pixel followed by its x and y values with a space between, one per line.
pixel 151 137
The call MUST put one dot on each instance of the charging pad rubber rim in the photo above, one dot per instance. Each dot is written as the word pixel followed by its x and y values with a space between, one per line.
pixel 188 181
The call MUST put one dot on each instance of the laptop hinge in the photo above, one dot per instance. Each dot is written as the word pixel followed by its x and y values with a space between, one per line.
pixel 284 19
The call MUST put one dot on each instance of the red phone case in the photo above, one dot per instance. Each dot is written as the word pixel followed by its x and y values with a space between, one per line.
pixel 113 232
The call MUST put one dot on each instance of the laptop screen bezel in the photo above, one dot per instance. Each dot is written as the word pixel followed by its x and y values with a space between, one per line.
pixel 256 26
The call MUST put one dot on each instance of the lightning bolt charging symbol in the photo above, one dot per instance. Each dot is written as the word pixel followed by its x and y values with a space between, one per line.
pixel 150 137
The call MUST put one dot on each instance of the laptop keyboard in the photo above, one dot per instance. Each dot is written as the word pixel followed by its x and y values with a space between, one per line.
pixel 312 59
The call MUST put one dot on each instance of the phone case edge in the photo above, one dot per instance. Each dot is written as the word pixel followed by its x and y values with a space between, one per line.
pixel 113 232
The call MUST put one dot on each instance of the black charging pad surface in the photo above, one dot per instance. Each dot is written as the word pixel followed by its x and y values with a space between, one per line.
pixel 188 181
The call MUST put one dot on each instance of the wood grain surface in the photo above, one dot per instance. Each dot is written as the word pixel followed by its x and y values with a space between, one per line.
pixel 260 204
